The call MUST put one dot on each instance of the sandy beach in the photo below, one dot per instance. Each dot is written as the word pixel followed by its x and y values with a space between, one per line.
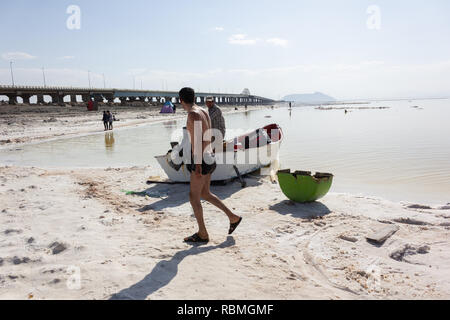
pixel 76 233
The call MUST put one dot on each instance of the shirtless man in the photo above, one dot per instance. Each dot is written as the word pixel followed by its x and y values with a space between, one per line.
pixel 202 166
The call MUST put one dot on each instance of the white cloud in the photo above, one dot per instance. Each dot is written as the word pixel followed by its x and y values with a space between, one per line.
pixel 219 29
pixel 277 42
pixel 241 39
pixel 17 56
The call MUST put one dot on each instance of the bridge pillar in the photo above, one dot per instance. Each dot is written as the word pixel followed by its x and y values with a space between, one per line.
pixel 158 100
pixel 202 100
pixel 12 99
pixel 86 98
pixel 168 99
pixel 109 98
pixel 131 99
pixel 40 99
pixel 73 98
pixel 98 98
pixel 26 98
pixel 60 99
pixel 54 98
pixel 123 101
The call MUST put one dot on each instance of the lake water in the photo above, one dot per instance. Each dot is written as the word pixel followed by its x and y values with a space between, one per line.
pixel 400 153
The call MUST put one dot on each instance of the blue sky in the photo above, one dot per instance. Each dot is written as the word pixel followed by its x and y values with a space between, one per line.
pixel 272 47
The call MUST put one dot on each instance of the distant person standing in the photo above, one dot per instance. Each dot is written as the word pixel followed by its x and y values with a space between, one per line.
pixel 110 120
pixel 217 120
pixel 105 120
pixel 90 105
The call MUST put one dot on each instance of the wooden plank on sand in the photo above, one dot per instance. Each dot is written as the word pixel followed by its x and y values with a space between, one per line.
pixel 383 234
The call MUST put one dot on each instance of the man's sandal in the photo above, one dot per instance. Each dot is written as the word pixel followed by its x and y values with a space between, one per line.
pixel 196 239
pixel 233 226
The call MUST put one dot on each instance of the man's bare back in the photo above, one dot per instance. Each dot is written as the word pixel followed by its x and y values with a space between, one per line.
pixel 200 115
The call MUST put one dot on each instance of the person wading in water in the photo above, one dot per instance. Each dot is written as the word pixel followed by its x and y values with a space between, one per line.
pixel 202 166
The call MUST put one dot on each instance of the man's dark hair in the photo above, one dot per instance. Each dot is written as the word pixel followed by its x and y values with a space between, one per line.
pixel 187 95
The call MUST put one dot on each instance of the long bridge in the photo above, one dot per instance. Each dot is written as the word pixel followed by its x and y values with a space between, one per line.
pixel 58 94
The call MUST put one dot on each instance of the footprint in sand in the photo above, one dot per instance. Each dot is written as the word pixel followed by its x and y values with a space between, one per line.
pixel 57 247
pixel 409 250
pixel 55 281
pixel 10 231
pixel 17 260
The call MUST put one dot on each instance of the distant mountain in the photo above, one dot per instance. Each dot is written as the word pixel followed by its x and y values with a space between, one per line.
pixel 316 97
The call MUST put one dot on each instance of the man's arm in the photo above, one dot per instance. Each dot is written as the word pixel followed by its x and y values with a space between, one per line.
pixel 222 124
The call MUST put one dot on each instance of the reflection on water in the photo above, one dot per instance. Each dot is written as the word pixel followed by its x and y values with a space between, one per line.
pixel 170 124
pixel 401 153
pixel 109 141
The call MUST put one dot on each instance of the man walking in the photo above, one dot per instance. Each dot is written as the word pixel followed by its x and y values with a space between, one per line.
pixel 217 120
pixel 202 166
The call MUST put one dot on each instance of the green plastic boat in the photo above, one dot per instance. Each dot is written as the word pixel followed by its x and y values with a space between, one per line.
pixel 302 187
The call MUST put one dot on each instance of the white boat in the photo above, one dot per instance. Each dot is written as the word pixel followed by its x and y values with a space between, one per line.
pixel 246 153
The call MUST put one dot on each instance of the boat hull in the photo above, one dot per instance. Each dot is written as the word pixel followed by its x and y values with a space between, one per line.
pixel 225 169
pixel 245 160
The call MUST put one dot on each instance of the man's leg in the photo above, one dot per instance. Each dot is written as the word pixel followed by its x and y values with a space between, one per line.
pixel 214 200
pixel 197 183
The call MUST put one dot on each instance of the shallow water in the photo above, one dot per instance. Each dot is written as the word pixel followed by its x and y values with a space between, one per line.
pixel 401 153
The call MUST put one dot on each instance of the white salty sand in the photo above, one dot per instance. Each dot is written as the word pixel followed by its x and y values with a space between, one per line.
pixel 130 246
pixel 74 234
